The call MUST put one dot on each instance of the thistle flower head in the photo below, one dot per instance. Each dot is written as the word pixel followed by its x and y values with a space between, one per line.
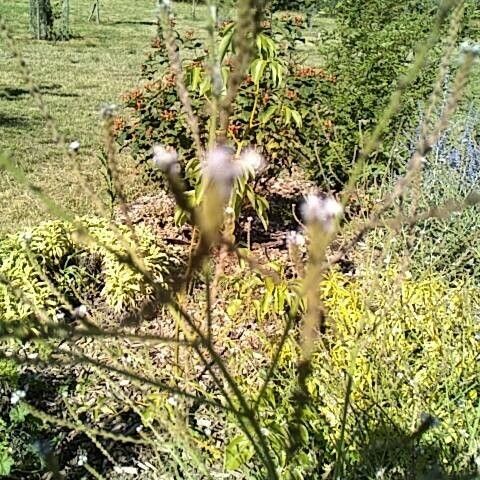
pixel 166 159
pixel 220 169
pixel 322 211
pixel 251 161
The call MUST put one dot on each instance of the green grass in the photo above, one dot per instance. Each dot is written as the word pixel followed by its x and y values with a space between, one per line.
pixel 76 78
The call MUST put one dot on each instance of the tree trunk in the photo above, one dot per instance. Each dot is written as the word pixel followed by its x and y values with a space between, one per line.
pixel 65 29
pixel 41 19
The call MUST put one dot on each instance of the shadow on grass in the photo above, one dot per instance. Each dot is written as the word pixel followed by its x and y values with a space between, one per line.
pixel 390 453
pixel 44 450
pixel 133 23
pixel 16 93
pixel 9 121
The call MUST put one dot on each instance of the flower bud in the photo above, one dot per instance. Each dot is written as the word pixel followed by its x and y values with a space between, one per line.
pixel 166 159
pixel 322 211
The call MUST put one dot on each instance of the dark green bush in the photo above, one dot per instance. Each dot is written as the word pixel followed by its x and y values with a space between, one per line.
pixel 374 45
pixel 280 110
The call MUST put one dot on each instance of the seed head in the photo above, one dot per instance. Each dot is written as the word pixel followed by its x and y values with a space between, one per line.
pixel 251 161
pixel 166 159
pixel 108 111
pixel 221 170
pixel 74 147
pixel 323 211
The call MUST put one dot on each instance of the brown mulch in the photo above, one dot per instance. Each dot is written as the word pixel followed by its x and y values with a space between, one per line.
pixel 284 194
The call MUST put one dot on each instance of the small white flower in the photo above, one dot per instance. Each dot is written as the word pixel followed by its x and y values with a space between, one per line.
pixel 172 401
pixel 166 159
pixel 470 47
pixel 82 460
pixel 81 311
pixel 380 473
pixel 26 236
pixel 321 210
pixel 74 146
pixel 16 396
pixel 295 239
pixel 108 110
pixel 204 422
pixel 126 470
pixel 251 161
pixel 220 169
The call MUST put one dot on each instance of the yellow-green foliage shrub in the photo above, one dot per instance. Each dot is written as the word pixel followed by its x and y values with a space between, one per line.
pixel 80 267
pixel 412 351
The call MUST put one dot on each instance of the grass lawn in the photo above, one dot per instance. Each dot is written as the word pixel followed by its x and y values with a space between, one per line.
pixel 75 78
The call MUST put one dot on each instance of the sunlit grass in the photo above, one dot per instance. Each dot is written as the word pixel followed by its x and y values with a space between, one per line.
pixel 75 77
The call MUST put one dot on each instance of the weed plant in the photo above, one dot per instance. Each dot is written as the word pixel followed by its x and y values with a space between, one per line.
pixel 366 373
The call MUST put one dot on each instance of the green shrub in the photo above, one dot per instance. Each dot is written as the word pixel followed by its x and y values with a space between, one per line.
pixel 411 348
pixel 56 254
pixel 280 109
pixel 374 43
